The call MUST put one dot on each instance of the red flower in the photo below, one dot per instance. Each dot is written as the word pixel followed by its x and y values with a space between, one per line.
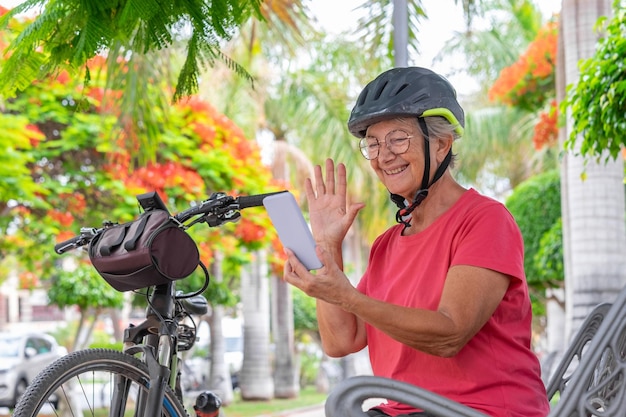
pixel 530 81
pixel 34 135
pixel 28 280
pixel 65 219
pixel 249 232
pixel 546 130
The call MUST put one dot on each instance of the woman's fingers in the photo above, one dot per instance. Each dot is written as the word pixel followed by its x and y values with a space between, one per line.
pixel 342 182
pixel 309 189
pixel 325 183
pixel 319 181
pixel 294 272
pixel 330 176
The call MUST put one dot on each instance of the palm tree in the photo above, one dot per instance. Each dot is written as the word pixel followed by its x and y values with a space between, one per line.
pixel 220 378
pixel 255 380
pixel 594 231
pixel 286 370
pixel 497 153
pixel 286 159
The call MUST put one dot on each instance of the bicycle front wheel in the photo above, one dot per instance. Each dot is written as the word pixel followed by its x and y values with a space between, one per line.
pixel 96 383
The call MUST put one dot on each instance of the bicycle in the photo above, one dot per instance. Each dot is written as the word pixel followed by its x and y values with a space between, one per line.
pixel 144 379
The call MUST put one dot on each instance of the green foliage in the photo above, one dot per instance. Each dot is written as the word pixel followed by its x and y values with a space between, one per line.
pixel 66 34
pixel 548 260
pixel 304 313
pixel 83 287
pixel 598 101
pixel 307 397
pixel 220 293
pixel 65 172
pixel 102 340
pixel 15 141
pixel 106 345
pixel 536 206
pixel 496 140
pixel 309 366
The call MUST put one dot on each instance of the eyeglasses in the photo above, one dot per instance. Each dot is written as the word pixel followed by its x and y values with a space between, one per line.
pixel 397 141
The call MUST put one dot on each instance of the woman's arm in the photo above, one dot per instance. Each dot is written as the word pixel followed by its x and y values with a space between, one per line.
pixel 470 297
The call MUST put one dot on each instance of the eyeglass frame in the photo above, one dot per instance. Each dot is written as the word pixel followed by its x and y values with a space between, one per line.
pixel 363 145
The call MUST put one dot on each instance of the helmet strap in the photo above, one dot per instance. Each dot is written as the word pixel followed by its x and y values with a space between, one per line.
pixel 426 176
pixel 404 210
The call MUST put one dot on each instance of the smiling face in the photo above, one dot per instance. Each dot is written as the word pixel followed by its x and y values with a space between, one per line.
pixel 401 174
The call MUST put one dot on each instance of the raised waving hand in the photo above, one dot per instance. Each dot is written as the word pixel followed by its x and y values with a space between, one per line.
pixel 330 214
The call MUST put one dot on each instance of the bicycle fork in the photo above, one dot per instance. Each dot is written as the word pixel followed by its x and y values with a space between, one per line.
pixel 148 404
pixel 157 351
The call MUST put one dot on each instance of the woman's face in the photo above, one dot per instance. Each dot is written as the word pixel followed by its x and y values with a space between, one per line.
pixel 400 173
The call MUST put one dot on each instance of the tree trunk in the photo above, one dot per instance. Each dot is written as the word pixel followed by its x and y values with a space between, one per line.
pixel 356 254
pixel 90 329
pixel 555 343
pixel 220 379
pixel 286 373
pixel 286 369
pixel 255 380
pixel 400 33
pixel 594 229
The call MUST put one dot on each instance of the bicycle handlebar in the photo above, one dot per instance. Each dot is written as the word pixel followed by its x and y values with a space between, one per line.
pixel 246 201
pixel 216 210
pixel 68 245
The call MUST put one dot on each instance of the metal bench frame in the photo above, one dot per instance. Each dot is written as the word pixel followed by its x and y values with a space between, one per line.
pixel 590 379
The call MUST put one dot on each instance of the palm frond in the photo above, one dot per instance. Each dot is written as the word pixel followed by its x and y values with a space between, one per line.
pixel 506 27
pixel 498 145
pixel 16 75
pixel 376 26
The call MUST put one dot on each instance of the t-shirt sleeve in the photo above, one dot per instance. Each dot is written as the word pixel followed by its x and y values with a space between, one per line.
pixel 490 238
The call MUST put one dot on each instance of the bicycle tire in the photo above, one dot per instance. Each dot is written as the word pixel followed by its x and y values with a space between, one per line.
pixel 86 376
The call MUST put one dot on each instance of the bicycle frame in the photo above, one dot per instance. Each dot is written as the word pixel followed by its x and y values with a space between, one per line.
pixel 156 339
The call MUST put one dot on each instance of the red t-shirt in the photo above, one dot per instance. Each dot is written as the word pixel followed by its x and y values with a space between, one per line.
pixel 496 372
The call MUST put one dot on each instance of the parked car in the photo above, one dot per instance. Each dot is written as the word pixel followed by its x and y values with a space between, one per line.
pixel 22 357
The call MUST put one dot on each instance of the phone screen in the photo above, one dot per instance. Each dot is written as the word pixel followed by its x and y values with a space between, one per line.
pixel 293 230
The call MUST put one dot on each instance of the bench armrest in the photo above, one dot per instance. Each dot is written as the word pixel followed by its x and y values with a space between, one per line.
pixel 346 399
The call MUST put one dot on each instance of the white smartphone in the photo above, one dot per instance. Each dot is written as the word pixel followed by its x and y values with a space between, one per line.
pixel 293 230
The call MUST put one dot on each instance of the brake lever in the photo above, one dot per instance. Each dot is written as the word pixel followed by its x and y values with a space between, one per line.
pixel 218 219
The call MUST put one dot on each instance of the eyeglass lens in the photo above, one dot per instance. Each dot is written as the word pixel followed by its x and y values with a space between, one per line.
pixel 397 141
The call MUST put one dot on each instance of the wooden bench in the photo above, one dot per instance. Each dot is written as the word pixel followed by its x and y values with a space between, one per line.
pixel 589 381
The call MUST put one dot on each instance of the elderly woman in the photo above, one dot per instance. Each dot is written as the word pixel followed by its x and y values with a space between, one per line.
pixel 444 302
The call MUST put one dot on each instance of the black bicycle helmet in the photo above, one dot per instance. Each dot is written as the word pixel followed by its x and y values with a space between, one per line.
pixel 409 92
pixel 401 92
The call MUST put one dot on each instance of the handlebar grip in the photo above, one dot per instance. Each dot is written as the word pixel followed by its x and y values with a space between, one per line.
pixel 69 244
pixel 254 200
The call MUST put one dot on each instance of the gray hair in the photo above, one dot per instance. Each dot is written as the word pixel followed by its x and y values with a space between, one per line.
pixel 439 127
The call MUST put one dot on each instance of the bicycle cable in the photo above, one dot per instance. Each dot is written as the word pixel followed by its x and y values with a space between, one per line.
pixel 207 278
